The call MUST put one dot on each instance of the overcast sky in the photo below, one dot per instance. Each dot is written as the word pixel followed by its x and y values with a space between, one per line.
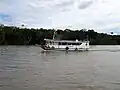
pixel 100 15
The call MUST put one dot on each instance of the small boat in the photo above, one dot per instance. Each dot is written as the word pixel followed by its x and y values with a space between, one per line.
pixel 65 45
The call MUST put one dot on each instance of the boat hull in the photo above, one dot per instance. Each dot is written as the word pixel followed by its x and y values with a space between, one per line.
pixel 65 45
pixel 64 49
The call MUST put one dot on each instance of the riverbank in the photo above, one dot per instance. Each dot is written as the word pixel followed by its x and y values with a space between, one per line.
pixel 23 36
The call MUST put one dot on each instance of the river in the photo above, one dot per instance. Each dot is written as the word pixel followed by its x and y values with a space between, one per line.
pixel 26 68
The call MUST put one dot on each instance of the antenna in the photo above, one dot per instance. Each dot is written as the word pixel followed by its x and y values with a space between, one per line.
pixel 87 37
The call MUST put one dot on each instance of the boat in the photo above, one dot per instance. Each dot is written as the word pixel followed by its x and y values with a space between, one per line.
pixel 65 45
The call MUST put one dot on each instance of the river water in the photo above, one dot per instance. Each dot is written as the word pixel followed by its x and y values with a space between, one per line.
pixel 26 68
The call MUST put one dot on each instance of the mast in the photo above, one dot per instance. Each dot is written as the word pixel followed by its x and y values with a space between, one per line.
pixel 54 34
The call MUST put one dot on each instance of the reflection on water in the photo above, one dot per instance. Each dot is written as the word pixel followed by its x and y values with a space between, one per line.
pixel 26 68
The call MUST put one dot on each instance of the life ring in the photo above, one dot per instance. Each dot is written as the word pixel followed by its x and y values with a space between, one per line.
pixel 67 48
pixel 76 49
pixel 52 47
pixel 48 46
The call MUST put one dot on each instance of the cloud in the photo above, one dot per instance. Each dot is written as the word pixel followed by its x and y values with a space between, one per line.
pixel 101 15
pixel 85 4
pixel 65 3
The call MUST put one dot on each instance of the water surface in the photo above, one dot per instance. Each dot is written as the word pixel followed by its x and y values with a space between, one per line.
pixel 26 68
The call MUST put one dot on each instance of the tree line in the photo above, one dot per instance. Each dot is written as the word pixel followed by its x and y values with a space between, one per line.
pixel 11 35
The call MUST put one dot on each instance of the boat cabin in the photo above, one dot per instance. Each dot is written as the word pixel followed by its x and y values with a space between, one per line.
pixel 63 42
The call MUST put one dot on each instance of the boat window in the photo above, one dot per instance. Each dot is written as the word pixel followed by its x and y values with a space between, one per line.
pixel 50 42
pixel 77 43
pixel 59 43
pixel 64 43
pixel 69 43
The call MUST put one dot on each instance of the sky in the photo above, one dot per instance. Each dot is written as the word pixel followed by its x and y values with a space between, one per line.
pixel 100 15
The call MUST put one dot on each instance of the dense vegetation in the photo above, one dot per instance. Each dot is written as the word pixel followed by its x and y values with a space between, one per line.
pixel 10 35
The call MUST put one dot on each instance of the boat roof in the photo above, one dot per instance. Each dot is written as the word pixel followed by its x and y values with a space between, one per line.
pixel 68 41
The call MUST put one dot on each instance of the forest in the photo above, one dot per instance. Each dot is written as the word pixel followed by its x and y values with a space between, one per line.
pixel 12 35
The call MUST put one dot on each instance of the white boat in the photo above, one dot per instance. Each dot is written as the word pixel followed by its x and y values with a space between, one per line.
pixel 65 45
